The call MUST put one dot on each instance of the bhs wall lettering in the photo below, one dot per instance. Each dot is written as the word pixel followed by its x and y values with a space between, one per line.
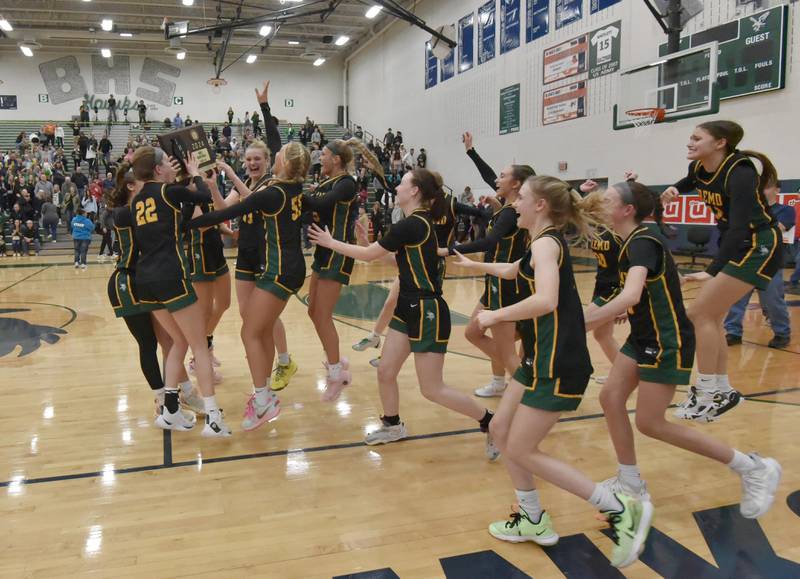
pixel 65 83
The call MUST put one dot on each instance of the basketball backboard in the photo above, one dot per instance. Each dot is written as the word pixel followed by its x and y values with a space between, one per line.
pixel 682 85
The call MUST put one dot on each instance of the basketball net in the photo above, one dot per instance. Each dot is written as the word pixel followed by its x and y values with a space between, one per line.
pixel 644 119
pixel 216 84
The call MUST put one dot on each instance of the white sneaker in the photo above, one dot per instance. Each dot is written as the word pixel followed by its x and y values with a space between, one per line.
pixel 255 415
pixel 215 425
pixel 491 390
pixel 618 487
pixel 759 486
pixel 492 452
pixel 84 266
pixel 77 265
pixel 193 401
pixel 181 420
pixel 386 434
pixel 101 258
pixel 709 406
pixel 690 402
pixel 368 342
pixel 375 362
pixel 600 379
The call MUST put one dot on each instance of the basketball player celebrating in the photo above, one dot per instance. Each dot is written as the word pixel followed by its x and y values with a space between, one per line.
pixel 749 253
pixel 658 356
pixel 280 204
pixel 123 296
pixel 162 279
pixel 555 371
pixel 250 258
pixel 504 242
pixel 445 232
pixel 421 321
pixel 334 204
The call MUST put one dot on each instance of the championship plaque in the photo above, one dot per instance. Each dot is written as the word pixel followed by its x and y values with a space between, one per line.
pixel 192 139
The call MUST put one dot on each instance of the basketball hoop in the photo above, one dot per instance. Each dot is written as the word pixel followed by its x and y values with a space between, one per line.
pixel 217 84
pixel 644 119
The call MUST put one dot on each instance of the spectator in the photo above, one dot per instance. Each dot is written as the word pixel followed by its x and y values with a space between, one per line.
pixel 26 208
pixel 84 113
pixel 44 186
pixel 214 134
pixel 290 134
pixel 112 109
pixel 347 135
pixel 83 145
pixel 50 218
pixel 91 155
pixel 189 122
pixel 377 221
pixel 359 133
pixel 16 237
pixel 316 162
pixel 105 150
pixel 227 131
pixel 388 138
pixel 80 180
pixel 59 136
pixel 49 132
pixel 316 137
pixel 70 202
pixel 794 280
pixel 177 122
pixel 408 160
pixel 256 124
pixel 422 159
pixel 398 139
pixel 142 108
pixel 466 197
pixel 108 182
pixel 29 236
pixel 81 228
pixel 89 205
pixel 247 122
pixel 772 299
pixel 230 115
pixel 106 223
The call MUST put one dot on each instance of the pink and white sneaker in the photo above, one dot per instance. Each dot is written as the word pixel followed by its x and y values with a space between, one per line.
pixel 334 386
pixel 256 415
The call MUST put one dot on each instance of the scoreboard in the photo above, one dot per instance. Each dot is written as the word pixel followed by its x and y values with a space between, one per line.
pixel 752 56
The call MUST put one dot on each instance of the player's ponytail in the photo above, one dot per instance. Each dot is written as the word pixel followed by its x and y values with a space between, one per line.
pixel 584 217
pixel 640 197
pixel 733 133
pixel 431 192
pixel 118 195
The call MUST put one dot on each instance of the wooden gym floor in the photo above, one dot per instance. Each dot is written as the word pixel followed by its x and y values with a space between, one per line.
pixel 90 487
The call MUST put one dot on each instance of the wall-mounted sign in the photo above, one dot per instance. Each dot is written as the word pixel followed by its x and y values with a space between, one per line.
pixel 566 59
pixel 604 49
pixel 509 110
pixel 288 103
pixel 8 102
pixel 177 100
pixel 564 103
pixel 44 98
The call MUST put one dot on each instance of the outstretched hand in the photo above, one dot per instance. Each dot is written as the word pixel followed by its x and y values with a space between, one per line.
pixel 319 236
pixel 262 96
pixel 362 234
pixel 466 138
pixel 669 195
pixel 588 186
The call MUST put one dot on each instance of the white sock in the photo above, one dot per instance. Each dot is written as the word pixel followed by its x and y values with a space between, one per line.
pixel 262 394
pixel 723 384
pixel 284 359
pixel 706 383
pixel 159 392
pixel 186 387
pixel 334 370
pixel 373 335
pixel 529 502
pixel 630 475
pixel 741 463
pixel 210 404
pixel 604 500
pixel 499 380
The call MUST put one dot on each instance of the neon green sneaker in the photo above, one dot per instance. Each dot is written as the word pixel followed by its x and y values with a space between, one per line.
pixel 520 528
pixel 282 374
pixel 629 529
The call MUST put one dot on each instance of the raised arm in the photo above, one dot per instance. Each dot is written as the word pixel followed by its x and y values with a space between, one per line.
pixel 501 270
pixel 270 128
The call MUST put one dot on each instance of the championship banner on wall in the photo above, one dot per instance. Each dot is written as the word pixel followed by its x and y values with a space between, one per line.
pixel 566 59
pixel 486 32
pixel 604 49
pixel 431 67
pixel 596 6
pixel 568 11
pixel 509 25
pixel 466 34
pixel 564 103
pixel 692 210
pixel 537 19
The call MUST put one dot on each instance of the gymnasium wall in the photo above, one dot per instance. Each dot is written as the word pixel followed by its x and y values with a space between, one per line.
pixel 386 88
pixel 64 79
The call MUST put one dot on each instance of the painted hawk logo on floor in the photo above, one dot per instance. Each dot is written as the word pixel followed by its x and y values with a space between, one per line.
pixel 16 332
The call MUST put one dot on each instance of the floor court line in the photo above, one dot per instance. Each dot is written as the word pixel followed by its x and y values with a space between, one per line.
pixel 285 452
pixel 19 281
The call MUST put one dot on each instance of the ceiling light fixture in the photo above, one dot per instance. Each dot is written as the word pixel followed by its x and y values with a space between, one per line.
pixel 342 40
pixel 293 42
pixel 105 52
pixel 373 12
pixel 107 24
pixel 26 50
pixel 180 55
pixel 265 30
pixel 251 58
pixel 188 2
pixel 5 25
pixel 126 34
pixel 319 62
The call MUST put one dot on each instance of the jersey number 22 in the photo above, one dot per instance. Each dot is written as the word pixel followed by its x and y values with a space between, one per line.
pixel 146 211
